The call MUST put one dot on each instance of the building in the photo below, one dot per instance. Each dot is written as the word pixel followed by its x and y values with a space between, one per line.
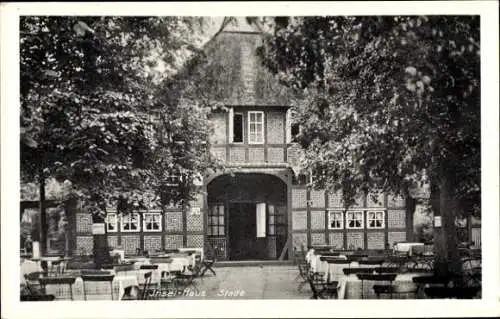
pixel 263 208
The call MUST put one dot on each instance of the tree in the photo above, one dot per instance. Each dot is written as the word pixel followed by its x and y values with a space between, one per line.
pixel 92 111
pixel 387 103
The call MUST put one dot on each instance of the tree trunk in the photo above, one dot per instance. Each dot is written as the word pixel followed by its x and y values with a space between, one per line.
pixel 43 215
pixel 101 248
pixel 445 240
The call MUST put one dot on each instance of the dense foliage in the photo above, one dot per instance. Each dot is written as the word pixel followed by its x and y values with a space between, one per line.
pixel 95 108
pixel 389 102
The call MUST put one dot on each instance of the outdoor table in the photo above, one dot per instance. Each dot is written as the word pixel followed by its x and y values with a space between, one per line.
pixel 195 250
pixel 351 287
pixel 95 290
pixel 119 252
pixel 335 269
pixel 60 281
pixel 319 265
pixel 375 277
pixel 174 264
pixel 409 248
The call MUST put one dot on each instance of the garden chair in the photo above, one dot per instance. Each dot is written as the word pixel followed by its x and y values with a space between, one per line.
pixel 32 282
pixel 186 280
pixel 106 277
pixel 208 262
pixel 146 288
pixel 131 293
pixel 322 289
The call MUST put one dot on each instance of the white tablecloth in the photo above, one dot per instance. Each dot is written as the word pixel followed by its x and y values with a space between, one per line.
pixel 408 247
pixel 29 266
pixel 94 290
pixel 321 266
pixel 177 264
pixel 120 252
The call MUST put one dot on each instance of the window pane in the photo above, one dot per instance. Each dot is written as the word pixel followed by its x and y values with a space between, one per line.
pixel 271 230
pixel 214 220
pixel 271 209
pixel 221 230
pixel 221 220
pixel 271 219
pixel 221 210
pixel 209 231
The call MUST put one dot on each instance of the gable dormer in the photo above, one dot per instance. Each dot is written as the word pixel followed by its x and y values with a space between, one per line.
pixel 253 128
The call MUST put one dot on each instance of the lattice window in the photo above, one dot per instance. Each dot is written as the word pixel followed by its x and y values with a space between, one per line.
pixel 354 220
pixel 375 219
pixel 216 220
pixel 335 220
pixel 255 127
pixel 151 222
pixel 111 223
pixel 130 222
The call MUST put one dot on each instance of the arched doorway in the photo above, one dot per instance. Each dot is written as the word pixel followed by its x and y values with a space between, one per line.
pixel 248 213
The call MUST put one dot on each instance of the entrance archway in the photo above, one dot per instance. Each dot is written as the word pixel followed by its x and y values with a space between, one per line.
pixel 247 213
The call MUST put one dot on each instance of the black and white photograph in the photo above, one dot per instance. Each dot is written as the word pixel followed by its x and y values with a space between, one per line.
pixel 287 157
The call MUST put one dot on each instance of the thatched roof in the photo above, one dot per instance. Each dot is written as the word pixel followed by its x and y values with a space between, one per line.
pixel 228 70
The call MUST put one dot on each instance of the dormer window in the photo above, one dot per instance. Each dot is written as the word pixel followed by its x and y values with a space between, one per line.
pixel 255 127
pixel 292 128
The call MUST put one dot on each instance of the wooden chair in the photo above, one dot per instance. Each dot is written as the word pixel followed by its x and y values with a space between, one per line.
pixel 302 277
pixel 32 281
pixel 97 278
pixel 147 284
pixel 131 293
pixel 44 281
pixel 322 289
pixel 188 279
pixel 208 262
